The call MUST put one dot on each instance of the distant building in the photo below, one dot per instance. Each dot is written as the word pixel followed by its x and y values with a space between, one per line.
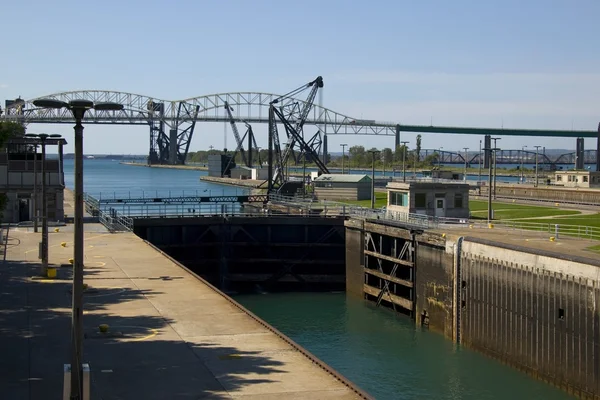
pixel 19 168
pixel 443 174
pixel 217 165
pixel 243 172
pixel 342 187
pixel 577 178
pixel 439 199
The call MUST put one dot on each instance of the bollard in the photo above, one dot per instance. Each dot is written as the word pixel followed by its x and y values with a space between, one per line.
pixel 63 244
pixel 71 261
pixel 103 328
pixel 51 272
pixel 491 226
pixel 471 226
pixel 552 238
pixel 56 230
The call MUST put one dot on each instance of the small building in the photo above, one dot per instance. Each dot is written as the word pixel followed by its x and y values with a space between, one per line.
pixel 260 174
pixel 218 165
pixel 21 180
pixel 443 174
pixel 342 187
pixel 241 172
pixel 439 199
pixel 577 178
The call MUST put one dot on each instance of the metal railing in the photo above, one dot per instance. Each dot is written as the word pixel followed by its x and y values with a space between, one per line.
pixel 113 220
pixel 547 229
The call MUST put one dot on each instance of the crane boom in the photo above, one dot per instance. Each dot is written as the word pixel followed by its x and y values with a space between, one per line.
pixel 236 134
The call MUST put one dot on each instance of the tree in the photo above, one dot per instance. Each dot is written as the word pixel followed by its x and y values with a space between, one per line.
pixel 357 155
pixel 9 129
pixel 387 156
pixel 418 148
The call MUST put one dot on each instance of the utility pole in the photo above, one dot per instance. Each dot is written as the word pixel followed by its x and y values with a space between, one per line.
pixel 35 191
pixel 373 177
pixel 536 164
pixel 495 164
pixel 479 163
pixel 522 156
pixel 466 157
pixel 490 213
pixel 343 155
pixel 404 161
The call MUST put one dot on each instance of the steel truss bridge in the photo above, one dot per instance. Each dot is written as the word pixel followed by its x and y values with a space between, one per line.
pixel 508 157
pixel 172 123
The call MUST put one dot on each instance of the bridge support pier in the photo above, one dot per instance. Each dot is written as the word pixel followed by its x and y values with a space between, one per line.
pixel 598 150
pixel 580 154
pixel 487 145
pixel 173 146
pixel 397 138
pixel 324 149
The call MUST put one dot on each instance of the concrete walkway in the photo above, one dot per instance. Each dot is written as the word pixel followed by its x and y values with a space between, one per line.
pixel 171 336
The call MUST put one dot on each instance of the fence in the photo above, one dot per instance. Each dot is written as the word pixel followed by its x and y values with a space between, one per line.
pixel 113 220
pixel 552 230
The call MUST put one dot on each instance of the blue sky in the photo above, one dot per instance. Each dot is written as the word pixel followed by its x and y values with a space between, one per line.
pixel 516 64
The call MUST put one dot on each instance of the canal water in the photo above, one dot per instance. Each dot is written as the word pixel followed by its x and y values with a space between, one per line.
pixel 383 353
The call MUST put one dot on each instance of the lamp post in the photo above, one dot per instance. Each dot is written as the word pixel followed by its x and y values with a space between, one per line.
pixel 466 156
pixel 404 161
pixel 495 164
pixel 490 213
pixel 35 196
pixel 522 156
pixel 44 244
pixel 78 108
pixel 343 155
pixel 536 164
pixel 479 163
pixel 373 177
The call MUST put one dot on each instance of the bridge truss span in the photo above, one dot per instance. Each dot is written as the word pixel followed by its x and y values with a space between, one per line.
pixel 172 123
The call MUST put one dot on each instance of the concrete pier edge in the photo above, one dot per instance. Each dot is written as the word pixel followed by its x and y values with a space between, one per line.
pixel 285 338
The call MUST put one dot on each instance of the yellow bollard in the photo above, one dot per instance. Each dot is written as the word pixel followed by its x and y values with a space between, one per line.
pixel 443 235
pixel 513 200
pixel 63 244
pixel 552 238
pixel 51 272
pixel 491 226
pixel 556 204
pixel 103 328
pixel 71 261
pixel 471 226
pixel 56 230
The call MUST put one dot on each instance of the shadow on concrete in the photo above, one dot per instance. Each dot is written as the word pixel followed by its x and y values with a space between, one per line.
pixel 140 357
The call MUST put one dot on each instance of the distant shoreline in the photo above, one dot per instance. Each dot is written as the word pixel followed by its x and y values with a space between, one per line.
pixel 190 167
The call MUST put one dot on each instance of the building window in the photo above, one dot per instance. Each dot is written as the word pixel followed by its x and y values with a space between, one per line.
pixel 399 199
pixel 420 200
pixel 558 178
pixel 585 179
pixel 458 200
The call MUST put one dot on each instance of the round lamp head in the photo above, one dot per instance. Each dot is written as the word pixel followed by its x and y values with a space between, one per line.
pixel 54 135
pixel 81 104
pixel 108 106
pixel 49 103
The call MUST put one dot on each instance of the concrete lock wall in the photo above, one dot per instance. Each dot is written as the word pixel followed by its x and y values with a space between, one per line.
pixel 533 311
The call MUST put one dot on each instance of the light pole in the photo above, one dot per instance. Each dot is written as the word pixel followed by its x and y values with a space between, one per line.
pixel 495 164
pixel 479 163
pixel 35 196
pixel 373 177
pixel 466 156
pixel 404 161
pixel 490 216
pixel 536 164
pixel 343 155
pixel 78 108
pixel 522 156
pixel 44 244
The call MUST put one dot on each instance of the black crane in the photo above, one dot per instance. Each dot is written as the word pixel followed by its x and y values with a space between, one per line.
pixel 247 160
pixel 292 116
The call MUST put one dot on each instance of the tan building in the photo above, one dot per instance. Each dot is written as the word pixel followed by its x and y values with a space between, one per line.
pixel 577 178
pixel 450 200
pixel 342 187
pixel 19 172
pixel 442 174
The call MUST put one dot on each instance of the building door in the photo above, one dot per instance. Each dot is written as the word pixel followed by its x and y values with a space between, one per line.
pixel 23 210
pixel 440 207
